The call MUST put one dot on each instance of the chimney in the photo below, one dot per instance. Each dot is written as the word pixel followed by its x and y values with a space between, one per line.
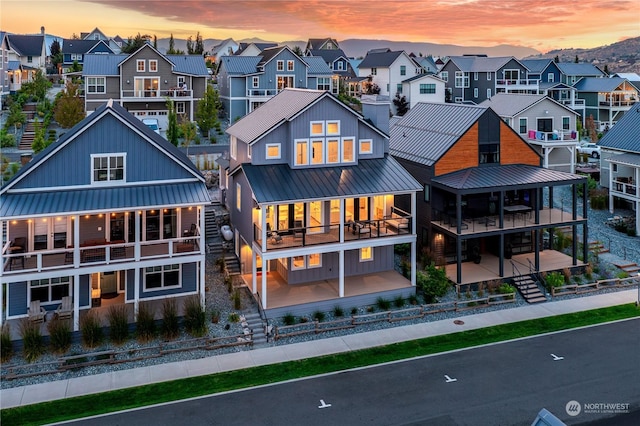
pixel 377 108
pixel 42 30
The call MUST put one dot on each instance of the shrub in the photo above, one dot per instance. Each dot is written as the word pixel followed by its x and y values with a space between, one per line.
pixel 146 323
pixel 195 317
pixel 338 311
pixel 383 304
pixel 118 324
pixel 33 345
pixel 289 319
pixel 413 299
pixel 403 249
pixel 554 280
pixel 318 316
pixel 215 316
pixel 567 275
pixel 354 311
pixel 406 268
pixel 6 345
pixel 91 330
pixel 59 335
pixel 170 328
pixel 398 302
pixel 370 309
pixel 237 300
pixel 506 289
pixel 622 275
pixel 304 320
pixel 588 272
pixel 234 317
pixel 433 282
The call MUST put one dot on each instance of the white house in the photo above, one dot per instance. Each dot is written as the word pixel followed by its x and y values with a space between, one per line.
pixel 423 88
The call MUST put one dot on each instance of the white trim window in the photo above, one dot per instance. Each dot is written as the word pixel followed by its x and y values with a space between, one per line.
pixel 96 85
pixel 301 152
pixel 50 290
pixel 374 71
pixel 366 254
pixel 238 197
pixel 290 66
pixel 298 263
pixel 444 75
pixel 348 150
pixel 180 108
pixel 317 151
pixel 566 123
pixel 233 147
pixel 488 93
pixel 333 127
pixel 316 128
pixel 314 260
pixel 153 65
pixel 333 151
pixel 324 83
pixel 273 151
pixel 403 70
pixel 462 79
pixel 522 125
pixel 489 76
pixel 255 82
pixel 162 277
pixel 366 146
pixel 551 77
pixel 475 92
pixel 108 168
pixel 475 75
pixel 280 65
pixel 140 65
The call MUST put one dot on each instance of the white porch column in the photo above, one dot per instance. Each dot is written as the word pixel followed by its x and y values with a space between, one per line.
pixel 136 292
pixel 264 288
pixel 202 231
pixel 572 150
pixel 636 182
pixel 136 248
pixel 76 241
pixel 202 284
pixel 413 244
pixel 342 212
pixel 254 272
pixel 1 302
pixel 263 234
pixel 610 187
pixel 76 300
pixel 341 273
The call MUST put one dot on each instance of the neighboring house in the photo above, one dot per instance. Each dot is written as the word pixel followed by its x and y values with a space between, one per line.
pixel 313 195
pixel 632 77
pixel 473 79
pixel 388 69
pixel 91 218
pixel 143 80
pixel 26 55
pixel 427 63
pixel 253 49
pixel 247 82
pixel 620 162
pixel 548 126
pixel 343 75
pixel 606 99
pixel 320 44
pixel 571 73
pixel 482 200
pixel 226 47
pixel 95 35
pixel 74 50
pixel 423 88
pixel 4 69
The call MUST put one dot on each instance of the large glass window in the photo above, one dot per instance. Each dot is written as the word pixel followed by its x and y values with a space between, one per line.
pixel 50 290
pixel 462 79
pixel 238 197
pixel 317 151
pixel 302 152
pixel 348 148
pixel 152 226
pixel 489 153
pixel 285 81
pixel 96 84
pixel 106 168
pixel 159 277
pixel 169 223
pixel 333 150
pixel 427 89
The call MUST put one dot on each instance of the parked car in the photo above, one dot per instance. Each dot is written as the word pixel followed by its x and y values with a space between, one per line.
pixel 589 148
pixel 152 123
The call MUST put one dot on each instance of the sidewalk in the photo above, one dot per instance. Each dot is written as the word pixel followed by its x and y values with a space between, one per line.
pixel 105 382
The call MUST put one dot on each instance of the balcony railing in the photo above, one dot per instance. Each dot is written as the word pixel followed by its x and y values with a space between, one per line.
pixel 91 255
pixel 564 135
pixel 576 103
pixel 617 103
pixel 261 93
pixel 512 83
pixel 174 93
pixel 622 185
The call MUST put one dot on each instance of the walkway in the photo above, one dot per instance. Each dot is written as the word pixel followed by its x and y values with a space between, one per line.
pixel 105 382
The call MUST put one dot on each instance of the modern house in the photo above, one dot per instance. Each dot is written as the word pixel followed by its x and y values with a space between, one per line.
pixel 114 43
pixel 253 49
pixel 73 51
pixel 620 162
pixel 548 126
pixel 570 72
pixel 473 79
pixel 143 81
pixel 4 68
pixel 606 99
pixel 423 88
pixel 247 82
pixel 313 200
pixel 487 204
pixel 26 54
pixel 343 74
pixel 91 218
pixel 320 44
pixel 224 48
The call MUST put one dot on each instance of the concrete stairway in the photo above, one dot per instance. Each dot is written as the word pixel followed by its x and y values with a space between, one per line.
pixel 233 264
pixel 529 289
pixel 254 324
pixel 598 247
pixel 631 267
pixel 28 135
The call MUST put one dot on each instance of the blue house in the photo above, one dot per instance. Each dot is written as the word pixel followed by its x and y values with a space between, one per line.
pixel 73 50
pixel 312 194
pixel 91 219
pixel 246 82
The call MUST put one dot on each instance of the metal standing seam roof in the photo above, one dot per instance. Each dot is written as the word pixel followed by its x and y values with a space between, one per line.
pixel 189 64
pixel 317 66
pixel 428 130
pixel 108 65
pixel 281 107
pixel 625 135
pixel 598 84
pixel 329 55
pixel 241 65
pixel 536 66
pixel 78 46
pixel 581 69
pixel 480 63
pixel 628 159
pixel 102 198
pixel 420 76
pixel 279 183
pixel 512 175
pixel 382 59
pixel 512 104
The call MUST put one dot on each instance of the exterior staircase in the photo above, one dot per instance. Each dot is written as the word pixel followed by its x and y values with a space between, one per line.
pixel 528 288
pixel 598 247
pixel 28 135
pixel 630 268
pixel 233 264
pixel 254 324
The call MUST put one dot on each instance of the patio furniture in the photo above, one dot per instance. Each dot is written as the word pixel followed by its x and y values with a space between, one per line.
pixel 95 297
pixel 36 313
pixel 17 246
pixel 65 310
pixel 276 238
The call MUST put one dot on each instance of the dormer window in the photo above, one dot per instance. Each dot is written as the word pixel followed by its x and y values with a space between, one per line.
pixel 108 168
pixel 140 65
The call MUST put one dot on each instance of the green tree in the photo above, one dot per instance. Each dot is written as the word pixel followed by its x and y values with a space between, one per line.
pixel 8 168
pixel 433 282
pixel 207 110
pixel 75 67
pixel 40 142
pixel 172 125
pixel 135 43
pixel 199 47
pixel 606 69
pixel 16 117
pixel 189 132
pixel 297 50
pixel 155 41
pixel 69 107
pixel 171 50
pixel 576 59
pixel 401 104
pixel 556 59
pixel 37 88
pixel 56 54
pixel 190 50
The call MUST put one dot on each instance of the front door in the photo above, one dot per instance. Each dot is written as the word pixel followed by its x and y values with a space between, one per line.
pixel 108 283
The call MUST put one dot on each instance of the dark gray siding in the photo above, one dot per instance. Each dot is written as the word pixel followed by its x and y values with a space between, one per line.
pixel 279 135
pixel 422 174
pixel 128 70
pixel 131 275
pixel 242 220
pixel 84 290
pixel 17 298
pixel 94 100
pixel 108 135
pixel 189 283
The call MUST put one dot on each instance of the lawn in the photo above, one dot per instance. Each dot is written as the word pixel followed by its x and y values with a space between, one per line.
pixel 73 408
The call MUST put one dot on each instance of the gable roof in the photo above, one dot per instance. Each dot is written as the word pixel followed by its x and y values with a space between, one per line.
pixel 115 109
pixel 329 55
pixel 108 65
pixel 536 66
pixel 480 63
pixel 421 76
pixel 380 59
pixel 78 46
pixel 317 43
pixel 95 30
pixel 271 52
pixel 283 107
pixel 580 69
pixel 317 66
pixel 598 84
pixel 512 104
pixel 26 45
pixel 240 65
pixel 260 46
pixel 625 135
pixel 428 130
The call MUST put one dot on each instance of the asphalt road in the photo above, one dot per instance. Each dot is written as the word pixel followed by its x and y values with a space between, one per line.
pixel 503 384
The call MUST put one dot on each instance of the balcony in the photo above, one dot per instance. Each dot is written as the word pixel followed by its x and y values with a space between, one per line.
pixel 564 135
pixel 93 252
pixel 624 186
pixel 617 103
pixel 517 85
pixel 160 95
pixel 261 94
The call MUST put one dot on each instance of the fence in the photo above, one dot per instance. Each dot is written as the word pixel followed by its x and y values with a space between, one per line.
pixel 316 327
pixel 595 286
pixel 71 362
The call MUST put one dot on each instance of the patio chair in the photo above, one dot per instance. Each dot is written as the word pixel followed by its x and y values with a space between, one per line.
pixel 65 309
pixel 36 313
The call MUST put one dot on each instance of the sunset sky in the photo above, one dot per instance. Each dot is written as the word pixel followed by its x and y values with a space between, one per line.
pixel 541 24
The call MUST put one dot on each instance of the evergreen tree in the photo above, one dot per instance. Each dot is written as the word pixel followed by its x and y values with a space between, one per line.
pixel 556 59
pixel 576 59
pixel 171 50
pixel 135 43
pixel 207 110
pixel 69 108
pixel 39 140
pixel 401 104
pixel 199 47
pixel 189 46
pixel 172 126
pixel 56 54
pixel 155 41
pixel 297 50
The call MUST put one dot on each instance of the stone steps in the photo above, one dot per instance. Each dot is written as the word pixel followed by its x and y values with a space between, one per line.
pixel 254 323
pixel 598 247
pixel 529 289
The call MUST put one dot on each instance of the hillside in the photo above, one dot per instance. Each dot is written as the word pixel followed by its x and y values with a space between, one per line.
pixel 623 56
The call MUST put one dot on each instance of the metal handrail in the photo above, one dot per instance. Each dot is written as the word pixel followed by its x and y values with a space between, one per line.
pixel 263 315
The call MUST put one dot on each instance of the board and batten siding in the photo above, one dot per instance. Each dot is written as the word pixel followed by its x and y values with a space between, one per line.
pixel 17 298
pixel 299 73
pixel 279 135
